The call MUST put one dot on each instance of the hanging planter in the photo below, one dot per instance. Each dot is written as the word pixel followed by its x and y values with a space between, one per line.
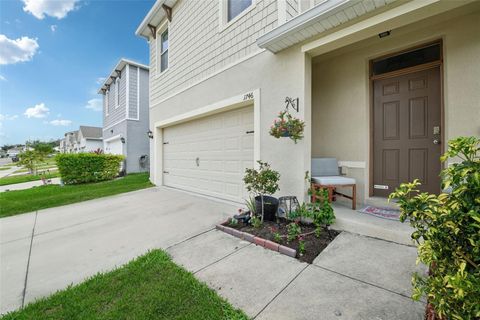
pixel 287 126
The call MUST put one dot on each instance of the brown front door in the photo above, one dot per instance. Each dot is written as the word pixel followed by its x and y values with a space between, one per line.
pixel 406 135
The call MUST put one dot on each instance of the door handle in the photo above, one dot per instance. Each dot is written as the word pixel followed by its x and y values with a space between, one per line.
pixel 197 161
pixel 436 141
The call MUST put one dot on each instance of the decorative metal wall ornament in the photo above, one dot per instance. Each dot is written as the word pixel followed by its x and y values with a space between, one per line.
pixel 291 102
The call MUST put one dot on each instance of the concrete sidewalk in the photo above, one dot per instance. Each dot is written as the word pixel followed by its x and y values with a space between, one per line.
pixel 4 173
pixel 356 277
pixel 26 185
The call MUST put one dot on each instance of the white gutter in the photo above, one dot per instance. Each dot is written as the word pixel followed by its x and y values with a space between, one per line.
pixel 154 11
pixel 119 66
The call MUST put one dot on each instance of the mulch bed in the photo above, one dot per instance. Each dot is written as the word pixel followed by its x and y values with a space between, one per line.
pixel 313 245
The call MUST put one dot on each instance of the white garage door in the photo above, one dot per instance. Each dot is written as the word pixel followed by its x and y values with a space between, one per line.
pixel 114 147
pixel 209 155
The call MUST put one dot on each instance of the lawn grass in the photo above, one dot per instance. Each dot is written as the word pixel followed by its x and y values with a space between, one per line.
pixel 26 178
pixel 15 202
pixel 149 287
pixel 4 168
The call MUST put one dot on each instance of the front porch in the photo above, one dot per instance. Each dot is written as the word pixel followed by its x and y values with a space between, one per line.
pixel 342 122
pixel 352 221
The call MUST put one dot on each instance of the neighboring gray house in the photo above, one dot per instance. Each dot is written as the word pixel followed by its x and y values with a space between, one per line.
pixel 125 114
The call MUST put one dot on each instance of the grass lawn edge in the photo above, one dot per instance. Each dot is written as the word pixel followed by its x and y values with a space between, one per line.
pixel 150 286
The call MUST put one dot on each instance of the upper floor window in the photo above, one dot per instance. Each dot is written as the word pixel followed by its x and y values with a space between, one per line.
pixel 164 50
pixel 235 7
pixel 117 92
pixel 233 10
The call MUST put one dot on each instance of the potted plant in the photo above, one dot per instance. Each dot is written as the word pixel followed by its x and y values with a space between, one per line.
pixel 287 126
pixel 263 183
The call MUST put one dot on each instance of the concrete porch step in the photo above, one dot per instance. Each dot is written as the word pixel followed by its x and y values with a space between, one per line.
pixel 381 202
pixel 364 224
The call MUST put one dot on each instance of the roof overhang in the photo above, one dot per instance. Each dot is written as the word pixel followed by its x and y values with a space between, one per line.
pixel 405 14
pixel 120 65
pixel 314 21
pixel 154 17
pixel 350 20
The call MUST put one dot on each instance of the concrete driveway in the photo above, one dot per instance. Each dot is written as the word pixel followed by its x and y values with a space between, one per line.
pixel 357 277
pixel 73 242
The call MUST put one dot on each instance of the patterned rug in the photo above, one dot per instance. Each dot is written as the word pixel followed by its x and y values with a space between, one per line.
pixel 384 213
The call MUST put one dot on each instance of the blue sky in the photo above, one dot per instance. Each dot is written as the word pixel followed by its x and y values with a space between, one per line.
pixel 53 53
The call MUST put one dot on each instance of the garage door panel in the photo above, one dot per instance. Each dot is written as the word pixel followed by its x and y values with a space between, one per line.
pixel 223 149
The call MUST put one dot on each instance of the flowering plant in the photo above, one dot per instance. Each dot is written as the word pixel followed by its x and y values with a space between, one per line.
pixel 287 126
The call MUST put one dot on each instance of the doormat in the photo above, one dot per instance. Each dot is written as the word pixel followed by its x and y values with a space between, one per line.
pixel 384 213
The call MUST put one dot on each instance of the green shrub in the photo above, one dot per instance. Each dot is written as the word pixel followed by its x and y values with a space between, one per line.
pixel 447 231
pixel 78 168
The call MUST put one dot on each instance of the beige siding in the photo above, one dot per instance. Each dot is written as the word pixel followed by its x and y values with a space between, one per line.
pixel 199 46
pixel 292 8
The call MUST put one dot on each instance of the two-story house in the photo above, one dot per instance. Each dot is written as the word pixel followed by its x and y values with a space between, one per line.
pixel 382 85
pixel 126 114
pixel 85 139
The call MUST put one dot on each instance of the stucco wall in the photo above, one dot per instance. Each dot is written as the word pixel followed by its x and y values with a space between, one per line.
pixel 340 106
pixel 276 76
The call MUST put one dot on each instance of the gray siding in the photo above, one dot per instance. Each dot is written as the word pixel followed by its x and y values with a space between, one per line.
pixel 133 94
pixel 134 125
pixel 116 114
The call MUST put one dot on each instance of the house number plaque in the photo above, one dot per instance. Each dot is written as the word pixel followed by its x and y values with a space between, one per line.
pixel 248 96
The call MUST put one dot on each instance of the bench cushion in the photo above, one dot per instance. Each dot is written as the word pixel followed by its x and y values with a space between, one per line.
pixel 333 180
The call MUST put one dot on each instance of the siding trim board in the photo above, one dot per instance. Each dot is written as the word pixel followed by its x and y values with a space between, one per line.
pixel 138 93
pixel 127 94
pixel 207 77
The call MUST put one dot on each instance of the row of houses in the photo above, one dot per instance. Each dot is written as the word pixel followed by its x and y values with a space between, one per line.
pixel 381 86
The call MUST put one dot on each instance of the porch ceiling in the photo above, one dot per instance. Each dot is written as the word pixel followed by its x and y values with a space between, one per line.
pixel 320 19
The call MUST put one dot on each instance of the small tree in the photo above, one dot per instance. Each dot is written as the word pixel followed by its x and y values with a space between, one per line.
pixel 447 231
pixel 29 159
pixel 43 149
pixel 263 181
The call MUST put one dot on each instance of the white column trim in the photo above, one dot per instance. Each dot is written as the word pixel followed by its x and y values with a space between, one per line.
pixel 138 93
pixel 127 88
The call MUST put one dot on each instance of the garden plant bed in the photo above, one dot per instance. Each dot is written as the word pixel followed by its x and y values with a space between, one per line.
pixel 313 245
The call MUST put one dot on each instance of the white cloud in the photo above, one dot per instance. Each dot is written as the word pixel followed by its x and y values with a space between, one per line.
pixel 54 8
pixel 18 50
pixel 2 78
pixel 95 104
pixel 7 117
pixel 58 122
pixel 53 27
pixel 38 111
pixel 101 80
